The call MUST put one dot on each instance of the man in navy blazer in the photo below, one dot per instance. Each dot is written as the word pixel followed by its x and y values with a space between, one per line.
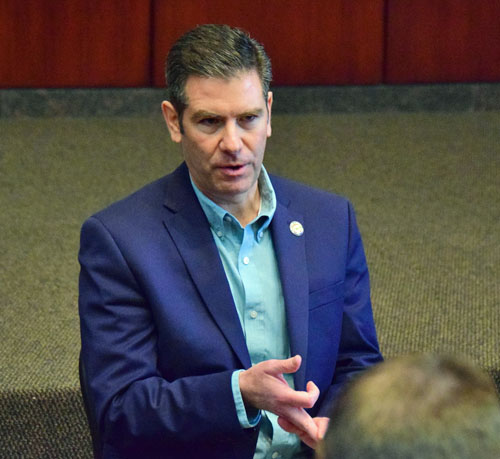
pixel 168 367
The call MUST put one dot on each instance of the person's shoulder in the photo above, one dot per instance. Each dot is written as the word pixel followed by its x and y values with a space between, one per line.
pixel 146 199
pixel 138 212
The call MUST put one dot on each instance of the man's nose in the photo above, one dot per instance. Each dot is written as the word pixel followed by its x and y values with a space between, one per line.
pixel 231 139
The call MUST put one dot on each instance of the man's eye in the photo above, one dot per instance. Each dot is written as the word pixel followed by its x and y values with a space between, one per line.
pixel 248 119
pixel 209 121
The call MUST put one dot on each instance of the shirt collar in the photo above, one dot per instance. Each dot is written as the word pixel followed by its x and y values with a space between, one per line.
pixel 215 213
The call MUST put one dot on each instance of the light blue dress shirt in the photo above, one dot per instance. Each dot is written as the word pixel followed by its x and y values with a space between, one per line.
pixel 251 268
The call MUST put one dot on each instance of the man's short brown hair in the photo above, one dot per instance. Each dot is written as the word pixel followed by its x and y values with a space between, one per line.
pixel 213 51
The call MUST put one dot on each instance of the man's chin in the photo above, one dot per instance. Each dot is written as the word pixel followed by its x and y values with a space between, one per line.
pixel 236 190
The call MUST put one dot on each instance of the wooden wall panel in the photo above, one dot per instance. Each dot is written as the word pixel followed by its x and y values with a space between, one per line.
pixel 102 43
pixel 309 42
pixel 442 41
pixel 68 43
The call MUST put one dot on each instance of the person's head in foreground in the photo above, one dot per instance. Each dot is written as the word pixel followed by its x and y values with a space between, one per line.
pixel 416 406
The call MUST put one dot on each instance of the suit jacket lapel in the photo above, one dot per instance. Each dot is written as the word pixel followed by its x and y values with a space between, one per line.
pixel 291 255
pixel 190 231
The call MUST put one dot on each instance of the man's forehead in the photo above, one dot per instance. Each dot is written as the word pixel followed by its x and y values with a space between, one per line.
pixel 242 92
pixel 236 75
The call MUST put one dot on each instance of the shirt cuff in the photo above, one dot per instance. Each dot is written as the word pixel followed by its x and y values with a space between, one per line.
pixel 241 411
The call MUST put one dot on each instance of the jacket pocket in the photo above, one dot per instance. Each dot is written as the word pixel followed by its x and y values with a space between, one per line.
pixel 326 295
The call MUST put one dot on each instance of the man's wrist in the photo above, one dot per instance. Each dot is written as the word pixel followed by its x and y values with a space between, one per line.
pixel 248 416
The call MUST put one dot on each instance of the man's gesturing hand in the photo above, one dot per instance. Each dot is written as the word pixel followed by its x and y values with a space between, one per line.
pixel 263 386
pixel 310 441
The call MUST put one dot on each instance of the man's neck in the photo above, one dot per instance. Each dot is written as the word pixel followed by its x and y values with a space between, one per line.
pixel 246 210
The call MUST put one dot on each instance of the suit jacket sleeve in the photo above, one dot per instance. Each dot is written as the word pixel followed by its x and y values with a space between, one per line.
pixel 358 346
pixel 130 400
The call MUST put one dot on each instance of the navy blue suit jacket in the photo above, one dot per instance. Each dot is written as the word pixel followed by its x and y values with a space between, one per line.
pixel 160 332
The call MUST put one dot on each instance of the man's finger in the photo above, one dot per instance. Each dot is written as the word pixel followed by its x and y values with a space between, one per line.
pixel 313 391
pixel 300 419
pixel 322 423
pixel 302 399
pixel 288 426
pixel 292 428
pixel 290 365
pixel 298 398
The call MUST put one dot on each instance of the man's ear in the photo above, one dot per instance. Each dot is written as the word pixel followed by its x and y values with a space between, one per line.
pixel 172 120
pixel 269 105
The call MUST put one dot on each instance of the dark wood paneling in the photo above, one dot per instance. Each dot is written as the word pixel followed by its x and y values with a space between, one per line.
pixel 67 43
pixel 309 42
pixel 442 41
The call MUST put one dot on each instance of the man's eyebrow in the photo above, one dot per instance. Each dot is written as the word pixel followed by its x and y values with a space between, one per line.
pixel 202 114
pixel 255 111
